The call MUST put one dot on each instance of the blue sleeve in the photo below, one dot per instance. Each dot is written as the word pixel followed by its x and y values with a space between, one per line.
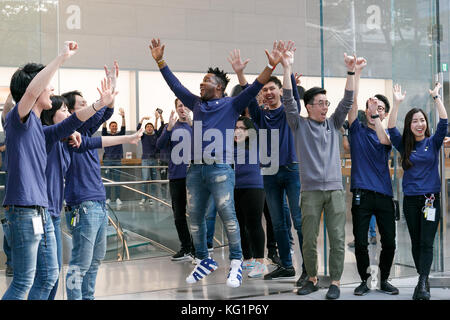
pixel 161 128
pixel 441 132
pixel 106 115
pixel 92 122
pixel 164 138
pixel 188 99
pixel 254 109
pixel 61 130
pixel 122 131
pixel 139 126
pixel 88 143
pixel 396 138
pixel 104 131
pixel 246 97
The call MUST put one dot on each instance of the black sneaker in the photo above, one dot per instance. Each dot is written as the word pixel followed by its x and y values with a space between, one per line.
pixel 273 256
pixel 181 255
pixel 387 288
pixel 281 273
pixel 302 279
pixel 308 287
pixel 9 272
pixel 333 292
pixel 362 289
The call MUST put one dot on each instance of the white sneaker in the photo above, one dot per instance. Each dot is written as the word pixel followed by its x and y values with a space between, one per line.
pixel 108 201
pixel 259 270
pixel 201 270
pixel 141 203
pixel 234 278
pixel 118 202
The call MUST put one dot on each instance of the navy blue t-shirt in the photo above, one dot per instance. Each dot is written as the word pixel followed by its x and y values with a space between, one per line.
pixel 247 175
pixel 423 177
pixel 176 171
pixel 149 149
pixel 370 160
pixel 113 152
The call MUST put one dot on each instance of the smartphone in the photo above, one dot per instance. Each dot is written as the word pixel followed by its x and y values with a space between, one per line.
pixel 159 110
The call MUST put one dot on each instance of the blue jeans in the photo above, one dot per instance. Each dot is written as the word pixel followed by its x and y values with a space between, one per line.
pixel 114 175
pixel 372 231
pixel 217 180
pixel 285 182
pixel 34 256
pixel 149 174
pixel 211 213
pixel 88 248
pixel 57 225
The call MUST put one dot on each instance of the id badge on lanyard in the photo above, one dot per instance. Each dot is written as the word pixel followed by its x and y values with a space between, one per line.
pixel 429 211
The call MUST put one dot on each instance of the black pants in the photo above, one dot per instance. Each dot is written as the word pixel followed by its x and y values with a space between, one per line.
pixel 178 195
pixel 383 209
pixel 421 231
pixel 249 204
pixel 271 242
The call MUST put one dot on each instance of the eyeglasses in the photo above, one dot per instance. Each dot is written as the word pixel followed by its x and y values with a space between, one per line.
pixel 322 103
pixel 380 109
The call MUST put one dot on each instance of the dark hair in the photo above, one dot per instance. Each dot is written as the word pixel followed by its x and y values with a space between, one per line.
pixel 408 139
pixel 112 123
pixel 276 81
pixel 309 95
pixel 149 123
pixel 248 123
pixel 21 79
pixel 236 90
pixel 221 77
pixel 385 101
pixel 71 98
pixel 47 115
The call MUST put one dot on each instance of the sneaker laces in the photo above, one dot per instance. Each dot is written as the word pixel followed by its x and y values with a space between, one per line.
pixel 201 270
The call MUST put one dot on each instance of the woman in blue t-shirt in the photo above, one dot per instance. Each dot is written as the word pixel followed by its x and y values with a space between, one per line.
pixel 421 181
pixel 249 197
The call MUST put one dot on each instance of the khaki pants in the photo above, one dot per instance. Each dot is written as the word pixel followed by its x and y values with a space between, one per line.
pixel 332 203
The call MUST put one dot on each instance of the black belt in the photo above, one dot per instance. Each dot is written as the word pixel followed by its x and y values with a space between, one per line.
pixel 38 208
pixel 372 192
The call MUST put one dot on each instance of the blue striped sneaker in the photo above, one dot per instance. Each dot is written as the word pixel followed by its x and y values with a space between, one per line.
pixel 234 278
pixel 201 270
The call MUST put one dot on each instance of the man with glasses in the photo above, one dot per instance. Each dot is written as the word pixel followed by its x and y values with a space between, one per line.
pixel 317 146
pixel 371 187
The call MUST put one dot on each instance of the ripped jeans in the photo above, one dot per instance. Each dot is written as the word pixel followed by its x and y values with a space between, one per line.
pixel 218 180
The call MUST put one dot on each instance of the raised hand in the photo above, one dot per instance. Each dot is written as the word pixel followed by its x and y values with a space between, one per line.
pixel 113 74
pixel 435 91
pixel 372 104
pixel 361 63
pixel 157 49
pixel 350 62
pixel 235 60
pixel 172 120
pixel 136 137
pixel 276 55
pixel 288 53
pixel 69 49
pixel 121 112
pixel 107 95
pixel 398 95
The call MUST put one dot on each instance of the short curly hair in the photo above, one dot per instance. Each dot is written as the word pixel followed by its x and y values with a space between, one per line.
pixel 221 77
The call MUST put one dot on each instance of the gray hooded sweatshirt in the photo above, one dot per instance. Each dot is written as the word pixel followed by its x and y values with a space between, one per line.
pixel 317 144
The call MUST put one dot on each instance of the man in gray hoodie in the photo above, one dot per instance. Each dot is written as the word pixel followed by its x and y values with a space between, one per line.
pixel 317 146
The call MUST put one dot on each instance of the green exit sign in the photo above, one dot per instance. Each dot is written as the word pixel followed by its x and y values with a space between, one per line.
pixel 444 67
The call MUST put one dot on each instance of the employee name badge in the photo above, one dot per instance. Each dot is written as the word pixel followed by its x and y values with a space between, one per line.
pixel 431 214
pixel 37 225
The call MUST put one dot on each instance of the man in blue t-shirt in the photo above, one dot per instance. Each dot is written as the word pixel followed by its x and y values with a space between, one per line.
pixel 371 187
pixel 210 171
pixel 286 180
pixel 113 157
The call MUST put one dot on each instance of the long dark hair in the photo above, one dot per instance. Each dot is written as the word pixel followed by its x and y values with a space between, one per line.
pixel 47 115
pixel 408 138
